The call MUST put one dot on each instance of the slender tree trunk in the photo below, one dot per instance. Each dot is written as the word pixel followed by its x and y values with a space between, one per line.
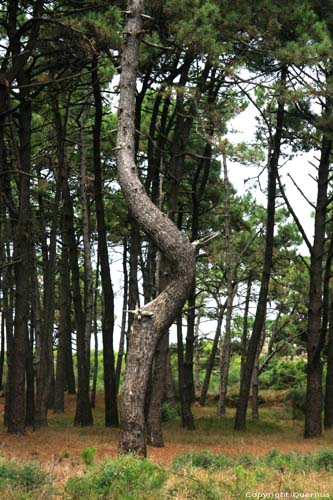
pixel 157 397
pixel 83 414
pixel 64 328
pixel 30 376
pixel 197 365
pixel 226 341
pixel 240 420
pixel 22 272
pixel 152 320
pixel 45 368
pixel 212 356
pixel 245 327
pixel 313 419
pixel 255 379
pixel 170 397
pixel 2 352
pixel 95 327
pixel 123 318
pixel 328 416
pixel 110 390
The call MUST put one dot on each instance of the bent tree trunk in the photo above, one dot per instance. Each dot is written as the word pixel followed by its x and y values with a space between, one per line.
pixel 155 317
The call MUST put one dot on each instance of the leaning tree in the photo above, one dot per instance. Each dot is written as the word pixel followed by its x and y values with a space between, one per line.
pixel 152 320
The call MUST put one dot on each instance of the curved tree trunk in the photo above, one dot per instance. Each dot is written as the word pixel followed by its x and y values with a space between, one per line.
pixel 156 317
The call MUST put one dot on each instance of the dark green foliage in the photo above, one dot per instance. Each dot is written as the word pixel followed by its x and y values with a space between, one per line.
pixel 28 476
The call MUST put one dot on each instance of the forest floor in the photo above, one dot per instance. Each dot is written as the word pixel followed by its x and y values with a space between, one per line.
pixel 58 448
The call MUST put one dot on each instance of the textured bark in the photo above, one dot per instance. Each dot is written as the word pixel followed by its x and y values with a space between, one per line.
pixel 123 319
pixel 212 356
pixel 2 351
pixel 157 396
pixel 22 273
pixel 83 414
pixel 197 364
pixel 255 379
pixel 45 368
pixel 240 420
pixel 328 416
pixel 110 390
pixel 64 327
pixel 95 331
pixel 313 419
pixel 154 318
pixel 226 341
pixel 245 327
pixel 30 382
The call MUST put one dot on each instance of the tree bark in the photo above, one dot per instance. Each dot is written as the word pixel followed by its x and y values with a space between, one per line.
pixel 226 341
pixel 240 420
pixel 156 317
pixel 110 390
pixel 245 327
pixel 212 356
pixel 123 319
pixel 22 272
pixel 315 340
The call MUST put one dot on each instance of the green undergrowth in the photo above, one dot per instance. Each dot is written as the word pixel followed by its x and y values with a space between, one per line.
pixel 322 460
pixel 22 482
pixel 194 476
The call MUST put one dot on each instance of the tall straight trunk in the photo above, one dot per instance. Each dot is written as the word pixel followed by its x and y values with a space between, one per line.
pixel 22 273
pixel 45 368
pixel 2 351
pixel 152 320
pixel 95 330
pixel 83 415
pixel 180 359
pixel 240 420
pixel 123 319
pixel 30 376
pixel 226 341
pixel 197 365
pixel 2 343
pixel 328 415
pixel 212 356
pixel 64 331
pixel 188 379
pixel 70 377
pixel 110 388
pixel 8 308
pixel 315 338
pixel 245 327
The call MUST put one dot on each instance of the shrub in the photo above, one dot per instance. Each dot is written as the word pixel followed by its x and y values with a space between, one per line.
pixel 88 455
pixel 29 476
pixel 324 459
